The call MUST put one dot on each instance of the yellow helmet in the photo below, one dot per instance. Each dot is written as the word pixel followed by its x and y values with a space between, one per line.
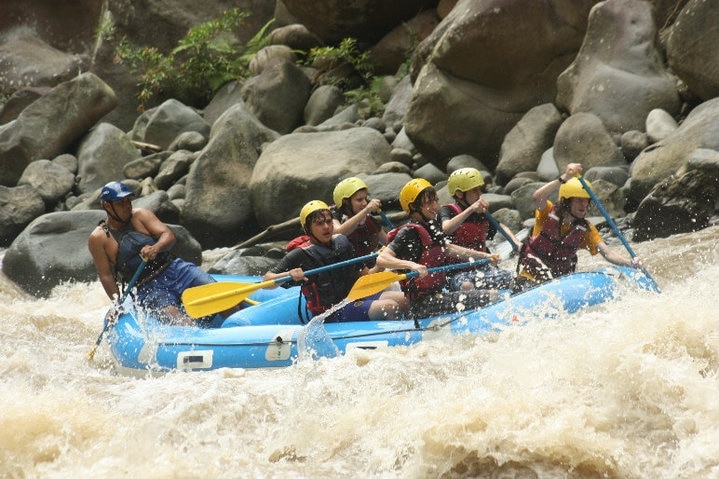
pixel 411 191
pixel 573 189
pixel 311 207
pixel 464 179
pixel 346 188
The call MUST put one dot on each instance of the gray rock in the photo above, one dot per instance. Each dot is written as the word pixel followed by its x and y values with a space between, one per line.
pixel 618 75
pixel 52 181
pixel 169 120
pixel 311 165
pixel 278 95
pixel 102 156
pixel 63 115
pixel 583 138
pixel 676 205
pixel 523 146
pixel 218 211
pixel 692 55
pixel 322 104
pixel 19 205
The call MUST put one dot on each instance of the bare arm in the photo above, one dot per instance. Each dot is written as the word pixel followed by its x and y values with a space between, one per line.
pixel 451 225
pixel 352 223
pixel 468 253
pixel 542 194
pixel 96 245
pixel 616 258
pixel 387 259
pixel 165 238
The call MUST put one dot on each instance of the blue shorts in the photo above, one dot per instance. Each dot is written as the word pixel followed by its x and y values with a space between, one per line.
pixel 166 288
pixel 354 311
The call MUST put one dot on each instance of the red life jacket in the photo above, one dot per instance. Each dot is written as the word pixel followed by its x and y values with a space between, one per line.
pixel 471 233
pixel 324 290
pixel 432 255
pixel 549 254
pixel 364 237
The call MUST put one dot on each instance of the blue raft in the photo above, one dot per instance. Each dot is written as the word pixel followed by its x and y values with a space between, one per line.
pixel 272 334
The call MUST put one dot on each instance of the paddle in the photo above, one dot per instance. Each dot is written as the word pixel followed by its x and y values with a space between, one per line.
pixel 215 297
pixel 386 219
pixel 496 225
pixel 112 314
pixel 616 230
pixel 374 283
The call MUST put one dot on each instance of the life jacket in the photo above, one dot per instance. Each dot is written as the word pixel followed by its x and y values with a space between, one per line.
pixel 432 255
pixel 472 233
pixel 130 243
pixel 364 237
pixel 324 290
pixel 549 254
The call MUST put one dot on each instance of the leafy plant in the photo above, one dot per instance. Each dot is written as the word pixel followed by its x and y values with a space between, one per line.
pixel 205 59
pixel 350 69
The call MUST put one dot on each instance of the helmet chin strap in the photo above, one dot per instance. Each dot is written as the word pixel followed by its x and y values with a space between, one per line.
pixel 114 214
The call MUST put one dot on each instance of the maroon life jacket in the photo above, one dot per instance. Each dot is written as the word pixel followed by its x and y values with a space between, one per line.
pixel 364 237
pixel 470 234
pixel 432 255
pixel 549 254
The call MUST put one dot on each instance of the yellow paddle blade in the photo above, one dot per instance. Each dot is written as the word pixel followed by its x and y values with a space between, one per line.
pixel 373 283
pixel 215 297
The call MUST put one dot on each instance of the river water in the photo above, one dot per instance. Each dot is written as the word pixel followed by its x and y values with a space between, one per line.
pixel 627 390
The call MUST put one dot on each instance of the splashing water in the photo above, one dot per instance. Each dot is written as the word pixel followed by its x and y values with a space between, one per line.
pixel 627 389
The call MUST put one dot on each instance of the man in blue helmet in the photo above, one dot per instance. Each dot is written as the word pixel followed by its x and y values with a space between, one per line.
pixel 129 234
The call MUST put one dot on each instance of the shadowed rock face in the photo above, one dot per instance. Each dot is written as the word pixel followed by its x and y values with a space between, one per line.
pixel 365 20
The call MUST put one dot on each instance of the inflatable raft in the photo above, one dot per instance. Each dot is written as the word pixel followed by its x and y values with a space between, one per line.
pixel 271 333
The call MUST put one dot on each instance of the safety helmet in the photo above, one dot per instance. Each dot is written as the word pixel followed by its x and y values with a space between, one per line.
pixel 411 191
pixel 464 179
pixel 115 191
pixel 573 189
pixel 311 207
pixel 346 188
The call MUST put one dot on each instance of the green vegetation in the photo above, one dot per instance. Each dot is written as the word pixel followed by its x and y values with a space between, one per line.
pixel 205 59
pixel 351 70
pixel 210 56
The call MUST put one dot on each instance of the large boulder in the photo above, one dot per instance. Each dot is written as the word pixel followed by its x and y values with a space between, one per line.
pixel 277 96
pixel 523 146
pixel 217 208
pixel 691 48
pixel 27 61
pixel 19 205
pixel 300 167
pixel 483 67
pixel 63 115
pixel 102 156
pixel 700 129
pixel 676 205
pixel 365 20
pixel 619 74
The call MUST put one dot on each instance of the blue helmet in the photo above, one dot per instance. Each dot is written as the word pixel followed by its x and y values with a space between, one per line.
pixel 114 191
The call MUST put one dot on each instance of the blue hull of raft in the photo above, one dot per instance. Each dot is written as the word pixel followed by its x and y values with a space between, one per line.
pixel 271 333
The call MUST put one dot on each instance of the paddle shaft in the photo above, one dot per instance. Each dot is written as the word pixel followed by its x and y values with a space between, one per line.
pixel 385 219
pixel 499 228
pixel 614 227
pixel 448 267
pixel 108 324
